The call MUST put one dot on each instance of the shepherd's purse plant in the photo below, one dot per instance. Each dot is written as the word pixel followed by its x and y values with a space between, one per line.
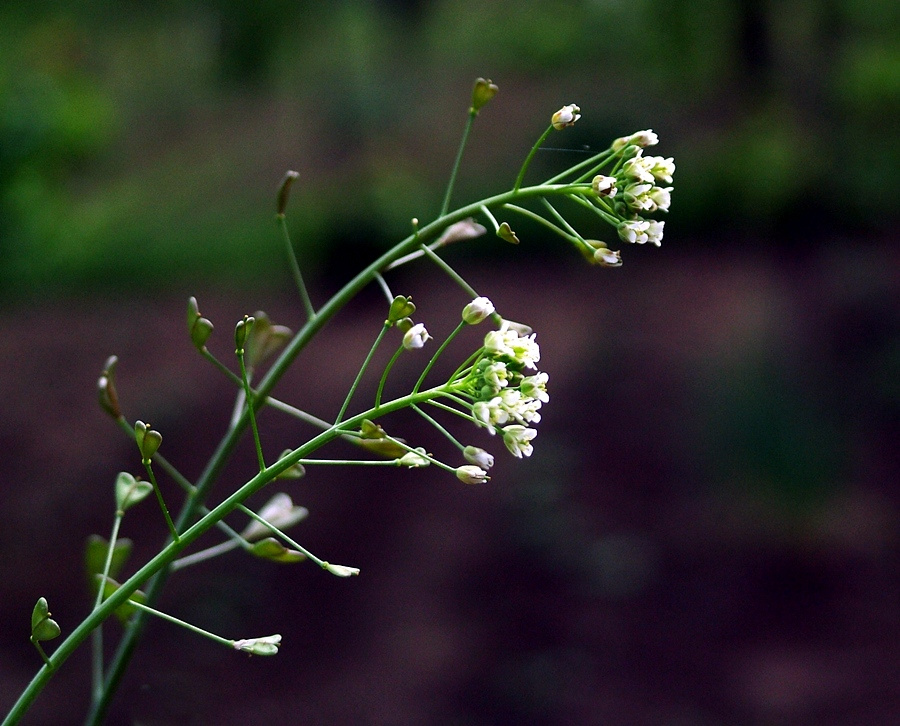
pixel 493 398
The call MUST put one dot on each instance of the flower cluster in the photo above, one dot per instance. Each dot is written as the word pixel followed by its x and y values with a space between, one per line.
pixel 504 396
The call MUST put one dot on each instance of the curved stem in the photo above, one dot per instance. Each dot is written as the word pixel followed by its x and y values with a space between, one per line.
pixel 525 165
pixel 295 268
pixel 462 145
pixel 362 370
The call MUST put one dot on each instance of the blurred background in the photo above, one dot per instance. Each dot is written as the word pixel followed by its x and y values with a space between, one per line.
pixel 707 531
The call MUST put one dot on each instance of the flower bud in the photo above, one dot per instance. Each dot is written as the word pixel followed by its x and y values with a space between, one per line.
pixel 566 116
pixel 415 459
pixel 606 257
pixel 478 457
pixel 482 92
pixel 477 310
pixel 401 307
pixel 106 388
pixel 42 626
pixel 415 337
pixel 284 190
pixel 340 570
pixel 259 646
pixel 604 186
pixel 147 439
pixel 471 474
pixel 463 230
pixel 242 332
pixel 505 233
pixel 271 549
pixel 199 327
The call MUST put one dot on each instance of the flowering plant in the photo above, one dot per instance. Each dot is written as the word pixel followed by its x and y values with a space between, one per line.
pixel 497 387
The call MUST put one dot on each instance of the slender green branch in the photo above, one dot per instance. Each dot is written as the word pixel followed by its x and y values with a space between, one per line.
pixel 562 220
pixel 362 370
pixel 182 623
pixel 97 639
pixel 384 375
pixel 539 219
pixel 295 268
pixel 527 162
pixel 462 145
pixel 162 505
pixel 595 162
pixel 449 270
pixel 438 426
pixel 438 352
pixel 248 395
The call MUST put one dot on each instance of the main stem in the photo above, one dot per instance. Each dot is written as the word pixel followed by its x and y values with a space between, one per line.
pixel 155 572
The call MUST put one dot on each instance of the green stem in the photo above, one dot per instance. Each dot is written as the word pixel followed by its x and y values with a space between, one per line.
pixel 537 145
pixel 97 639
pixel 362 370
pixel 182 623
pixel 449 270
pixel 539 219
pixel 384 375
pixel 248 395
pixel 562 220
pixel 597 161
pixel 295 268
pixel 438 352
pixel 438 426
pixel 159 497
pixel 462 145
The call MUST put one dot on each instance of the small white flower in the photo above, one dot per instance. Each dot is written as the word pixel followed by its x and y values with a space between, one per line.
pixel 281 511
pixel 259 646
pixel 499 342
pixel 662 198
pixel 415 459
pixel 477 310
pixel 639 169
pixel 526 351
pixel 491 413
pixel 604 186
pixel 536 387
pixel 340 570
pixel 607 258
pixel 469 474
pixel 662 169
pixel 496 375
pixel 517 439
pixel 637 196
pixel 566 116
pixel 415 337
pixel 478 457
pixel 655 232
pixel 634 231
pixel 642 139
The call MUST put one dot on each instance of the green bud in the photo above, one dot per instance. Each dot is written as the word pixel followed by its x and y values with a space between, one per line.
pixel 271 549
pixel 42 626
pixel 401 307
pixel 284 191
pixel 482 92
pixel 199 327
pixel 148 440
pixel 130 491
pixel 265 339
pixel 242 332
pixel 505 233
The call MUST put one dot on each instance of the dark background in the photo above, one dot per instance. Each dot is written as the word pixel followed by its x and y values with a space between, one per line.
pixel 707 531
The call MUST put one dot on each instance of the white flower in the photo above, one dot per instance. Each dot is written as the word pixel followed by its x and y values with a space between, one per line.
pixel 415 337
pixel 491 413
pixel 662 198
pixel 469 474
pixel 637 196
pixel 414 459
pixel 477 310
pixel 259 646
pixel 662 169
pixel 604 186
pixel 655 232
pixel 517 439
pixel 280 511
pixel 499 342
pixel 634 231
pixel 566 116
pixel 526 351
pixel 536 387
pixel 642 139
pixel 340 570
pixel 496 375
pixel 478 457
pixel 639 169
pixel 607 258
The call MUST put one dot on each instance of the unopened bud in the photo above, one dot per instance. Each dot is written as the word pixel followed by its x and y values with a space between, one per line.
pixel 340 570
pixel 415 337
pixel 284 191
pixel 483 92
pixel 478 457
pixel 259 646
pixel 199 327
pixel 242 332
pixel 471 474
pixel 477 310
pixel 566 116
pixel 106 388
